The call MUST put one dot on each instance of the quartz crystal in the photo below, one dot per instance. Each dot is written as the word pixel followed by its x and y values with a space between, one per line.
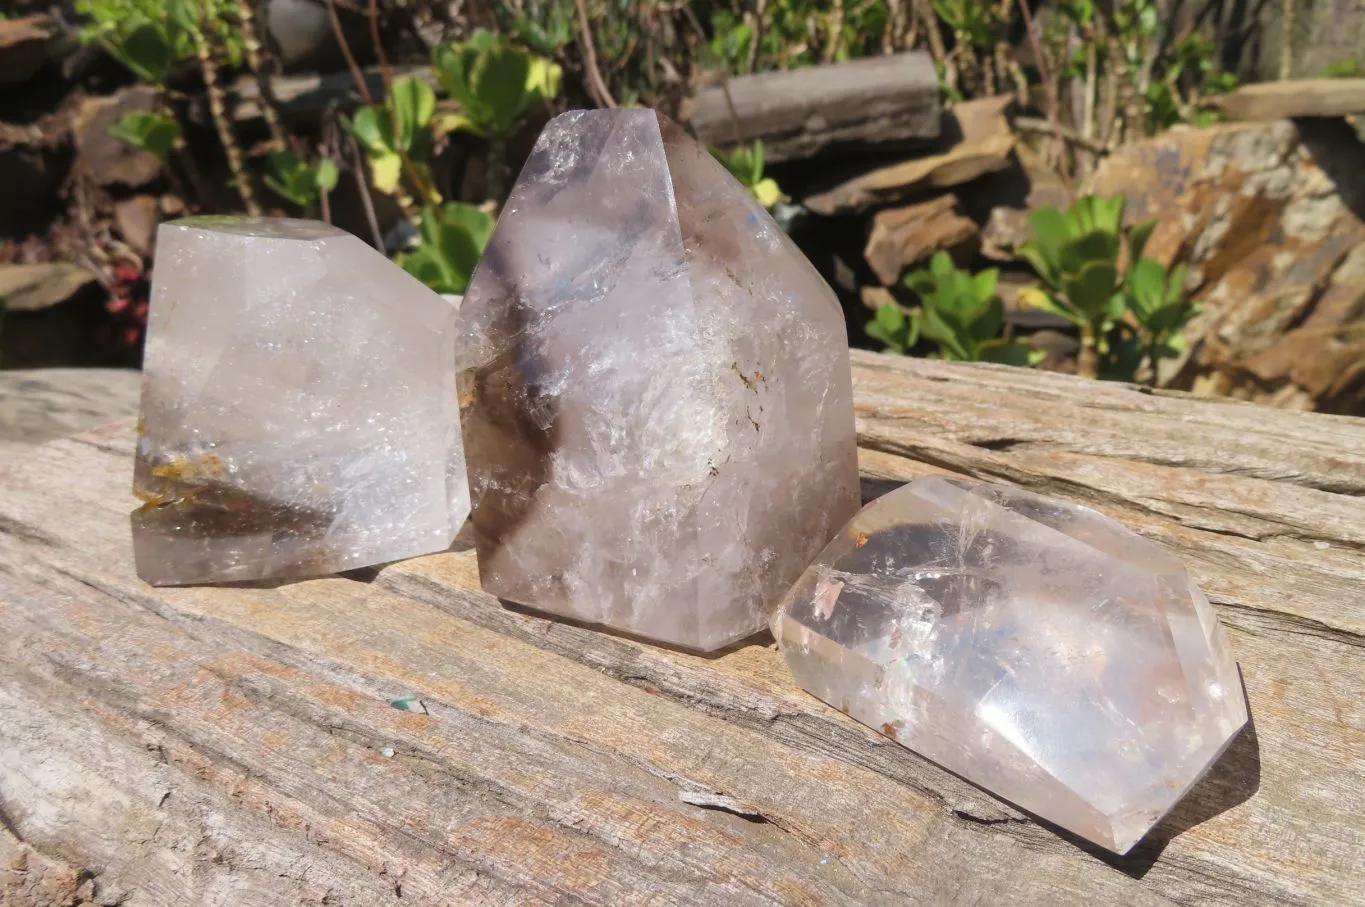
pixel 1038 649
pixel 655 390
pixel 299 407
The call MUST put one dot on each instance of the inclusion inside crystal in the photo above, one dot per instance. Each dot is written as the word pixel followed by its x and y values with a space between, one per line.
pixel 657 401
pixel 1039 649
pixel 299 408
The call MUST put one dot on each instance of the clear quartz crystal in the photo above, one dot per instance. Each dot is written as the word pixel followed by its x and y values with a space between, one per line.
pixel 1038 649
pixel 657 400
pixel 299 407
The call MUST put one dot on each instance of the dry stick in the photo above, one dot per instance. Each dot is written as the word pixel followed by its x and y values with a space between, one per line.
pixel 1109 111
pixel 218 110
pixel 596 84
pixel 346 52
pixel 1287 52
pixel 836 31
pixel 255 60
pixel 1049 87
pixel 1043 127
pixel 760 13
pixel 893 14
pixel 358 165
pixel 385 74
pixel 926 18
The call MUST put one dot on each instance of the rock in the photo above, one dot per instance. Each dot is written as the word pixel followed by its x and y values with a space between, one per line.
pixel 24 47
pixel 1006 230
pixel 1038 649
pixel 137 218
pixel 299 407
pixel 876 297
pixel 1269 217
pixel 1282 100
pixel 30 288
pixel 976 139
pixel 107 160
pixel 302 37
pixel 903 237
pixel 657 401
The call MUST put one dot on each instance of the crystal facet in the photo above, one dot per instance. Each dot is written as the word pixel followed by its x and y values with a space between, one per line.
pixel 1038 649
pixel 656 394
pixel 299 408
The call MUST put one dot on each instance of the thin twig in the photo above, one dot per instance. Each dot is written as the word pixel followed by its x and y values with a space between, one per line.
pixel 218 111
pixel 596 85
pixel 836 31
pixel 760 14
pixel 346 52
pixel 1043 127
pixel 1287 51
pixel 384 72
pixel 358 163
pixel 256 62
pixel 1049 86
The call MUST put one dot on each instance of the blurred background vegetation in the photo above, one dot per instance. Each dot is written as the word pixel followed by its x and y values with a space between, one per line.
pixel 406 121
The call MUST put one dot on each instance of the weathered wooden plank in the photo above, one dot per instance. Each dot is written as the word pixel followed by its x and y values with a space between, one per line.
pixel 1267 101
pixel 237 746
pixel 800 113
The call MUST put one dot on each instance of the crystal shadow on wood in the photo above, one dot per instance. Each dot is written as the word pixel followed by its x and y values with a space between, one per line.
pixel 299 410
pixel 655 390
pixel 1037 649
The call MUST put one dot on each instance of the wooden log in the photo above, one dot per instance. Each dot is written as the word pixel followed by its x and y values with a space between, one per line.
pixel 237 745
pixel 1269 101
pixel 800 113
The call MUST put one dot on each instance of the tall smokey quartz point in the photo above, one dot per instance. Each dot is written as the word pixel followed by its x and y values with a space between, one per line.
pixel 299 407
pixel 655 390
pixel 1038 649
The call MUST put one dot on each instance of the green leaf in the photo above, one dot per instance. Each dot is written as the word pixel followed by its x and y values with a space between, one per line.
pixel 413 102
pixel 386 171
pixel 1091 290
pixel 941 264
pixel 1096 246
pixel 1175 284
pixel 365 126
pixel 890 318
pixel 1147 283
pixel 1010 352
pixel 152 132
pixel 327 174
pixel 1050 233
pixel 1138 235
pixel 988 321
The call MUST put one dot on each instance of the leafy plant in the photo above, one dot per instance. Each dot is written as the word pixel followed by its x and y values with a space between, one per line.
pixel 961 312
pixel 151 36
pixel 1077 255
pixel 895 328
pixel 453 237
pixel 397 137
pixel 746 165
pixel 1155 299
pixel 496 84
pixel 301 182
pixel 154 132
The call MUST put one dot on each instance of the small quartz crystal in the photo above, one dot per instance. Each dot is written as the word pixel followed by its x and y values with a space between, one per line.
pixel 656 393
pixel 299 407
pixel 1038 649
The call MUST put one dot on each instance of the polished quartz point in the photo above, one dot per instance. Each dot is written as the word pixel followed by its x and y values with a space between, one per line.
pixel 1038 649
pixel 299 407
pixel 656 394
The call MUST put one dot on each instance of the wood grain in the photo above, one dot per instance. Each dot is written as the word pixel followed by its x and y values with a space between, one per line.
pixel 238 746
